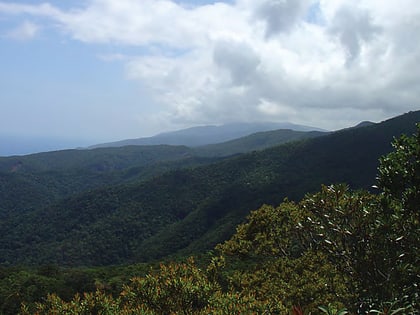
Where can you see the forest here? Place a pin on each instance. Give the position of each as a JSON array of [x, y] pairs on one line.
[[312, 246]]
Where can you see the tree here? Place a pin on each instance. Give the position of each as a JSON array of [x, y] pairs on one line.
[[399, 180], [399, 173], [374, 238], [271, 257]]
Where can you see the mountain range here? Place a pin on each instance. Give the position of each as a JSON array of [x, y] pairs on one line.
[[127, 204], [195, 136], [204, 135]]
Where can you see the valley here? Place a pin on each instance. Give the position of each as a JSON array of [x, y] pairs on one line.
[[142, 204]]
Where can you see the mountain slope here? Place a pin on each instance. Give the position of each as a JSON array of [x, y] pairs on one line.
[[49, 176], [256, 141], [192, 209], [100, 160], [32, 181], [203, 135]]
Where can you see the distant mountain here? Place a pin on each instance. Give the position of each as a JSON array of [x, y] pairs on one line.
[[364, 124], [191, 209], [203, 135]]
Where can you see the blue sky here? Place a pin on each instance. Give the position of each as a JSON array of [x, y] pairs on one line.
[[75, 73]]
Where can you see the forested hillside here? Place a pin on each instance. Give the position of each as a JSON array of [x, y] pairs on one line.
[[33, 181], [336, 251], [257, 141], [191, 209]]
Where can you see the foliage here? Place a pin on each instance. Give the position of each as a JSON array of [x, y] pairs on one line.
[[399, 179], [331, 310], [90, 303], [176, 289], [394, 308], [399, 172], [346, 226], [271, 259], [31, 285]]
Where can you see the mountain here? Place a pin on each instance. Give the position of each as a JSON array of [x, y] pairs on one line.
[[364, 124], [256, 141], [49, 176], [32, 181], [191, 209], [203, 135], [98, 160]]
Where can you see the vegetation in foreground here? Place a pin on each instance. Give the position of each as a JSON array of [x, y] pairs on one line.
[[334, 249]]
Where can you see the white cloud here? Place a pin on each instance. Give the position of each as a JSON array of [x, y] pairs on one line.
[[304, 60], [44, 9], [25, 31]]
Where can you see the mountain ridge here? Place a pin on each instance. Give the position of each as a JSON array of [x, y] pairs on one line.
[[204, 135], [189, 210]]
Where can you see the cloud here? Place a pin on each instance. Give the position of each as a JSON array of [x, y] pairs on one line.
[[306, 61], [238, 59], [353, 28], [44, 9], [280, 15], [25, 31]]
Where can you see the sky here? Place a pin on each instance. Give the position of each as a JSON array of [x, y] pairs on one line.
[[91, 71]]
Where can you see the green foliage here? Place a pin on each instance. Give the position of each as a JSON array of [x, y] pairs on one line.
[[268, 232], [91, 303], [345, 226], [331, 310], [399, 179], [394, 308], [177, 288], [270, 259], [31, 285], [399, 172]]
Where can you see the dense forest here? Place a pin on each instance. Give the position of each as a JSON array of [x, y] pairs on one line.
[[346, 248], [62, 208]]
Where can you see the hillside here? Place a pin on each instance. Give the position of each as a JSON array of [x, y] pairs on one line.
[[98, 160], [31, 181], [256, 141], [189, 210]]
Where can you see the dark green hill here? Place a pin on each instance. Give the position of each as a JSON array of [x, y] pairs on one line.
[[98, 160], [190, 210], [31, 181], [256, 141]]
